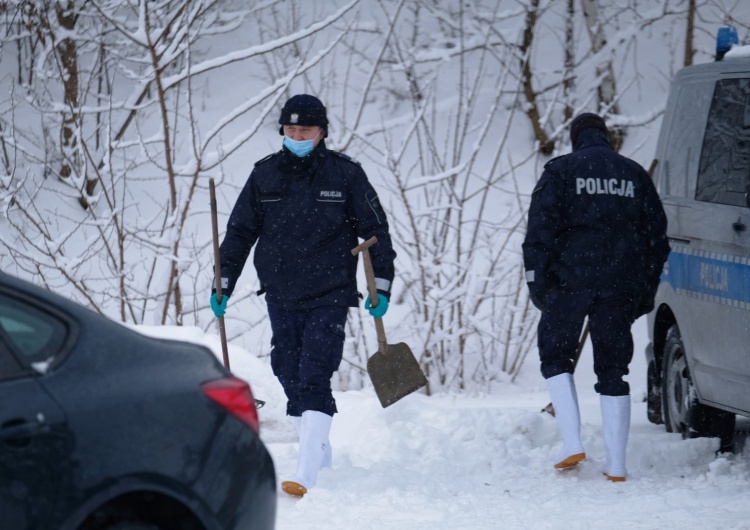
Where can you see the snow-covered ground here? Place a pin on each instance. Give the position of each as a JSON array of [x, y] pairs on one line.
[[477, 462]]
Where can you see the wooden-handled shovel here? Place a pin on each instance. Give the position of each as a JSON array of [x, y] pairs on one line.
[[550, 408], [393, 369], [217, 271]]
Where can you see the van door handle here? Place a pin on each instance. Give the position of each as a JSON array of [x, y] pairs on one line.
[[739, 226]]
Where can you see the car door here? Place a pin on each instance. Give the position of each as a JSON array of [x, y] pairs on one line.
[[35, 445]]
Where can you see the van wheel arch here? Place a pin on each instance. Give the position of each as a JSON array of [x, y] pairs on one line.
[[662, 323], [681, 410]]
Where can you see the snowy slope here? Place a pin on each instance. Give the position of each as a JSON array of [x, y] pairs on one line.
[[478, 462]]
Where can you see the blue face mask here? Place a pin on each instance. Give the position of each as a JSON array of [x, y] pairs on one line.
[[299, 147]]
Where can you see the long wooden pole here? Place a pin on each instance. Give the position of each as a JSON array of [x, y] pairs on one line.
[[217, 271]]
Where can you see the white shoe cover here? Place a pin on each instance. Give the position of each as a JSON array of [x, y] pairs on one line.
[[313, 441], [616, 427], [562, 392], [328, 458]]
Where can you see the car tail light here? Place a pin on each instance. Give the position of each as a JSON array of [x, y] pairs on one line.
[[235, 396]]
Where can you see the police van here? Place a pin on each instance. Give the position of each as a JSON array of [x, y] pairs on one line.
[[699, 331]]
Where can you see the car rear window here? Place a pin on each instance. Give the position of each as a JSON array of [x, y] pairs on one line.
[[34, 335]]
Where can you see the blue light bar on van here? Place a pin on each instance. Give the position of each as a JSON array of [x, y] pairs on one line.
[[725, 39]]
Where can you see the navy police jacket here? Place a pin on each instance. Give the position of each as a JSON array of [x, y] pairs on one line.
[[596, 221], [306, 215]]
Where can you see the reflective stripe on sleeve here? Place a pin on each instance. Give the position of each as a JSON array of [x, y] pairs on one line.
[[382, 285]]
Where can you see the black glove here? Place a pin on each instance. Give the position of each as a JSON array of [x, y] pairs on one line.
[[644, 299], [642, 306], [538, 294]]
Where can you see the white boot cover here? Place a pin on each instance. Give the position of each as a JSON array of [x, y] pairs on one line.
[[328, 458], [313, 439], [616, 427], [562, 392]]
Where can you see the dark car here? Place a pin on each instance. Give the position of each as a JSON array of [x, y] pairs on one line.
[[104, 428]]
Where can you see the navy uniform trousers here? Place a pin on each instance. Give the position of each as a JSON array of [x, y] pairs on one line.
[[610, 318], [307, 346]]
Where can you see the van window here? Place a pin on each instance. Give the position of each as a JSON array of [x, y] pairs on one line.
[[723, 169], [684, 141]]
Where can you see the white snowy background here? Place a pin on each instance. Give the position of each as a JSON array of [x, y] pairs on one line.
[[476, 458]]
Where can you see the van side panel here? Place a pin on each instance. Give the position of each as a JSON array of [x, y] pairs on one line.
[[706, 282]]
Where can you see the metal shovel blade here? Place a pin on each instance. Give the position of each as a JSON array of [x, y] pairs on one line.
[[395, 373]]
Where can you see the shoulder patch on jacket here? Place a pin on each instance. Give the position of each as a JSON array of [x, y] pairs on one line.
[[266, 159], [345, 157], [539, 186], [553, 161]]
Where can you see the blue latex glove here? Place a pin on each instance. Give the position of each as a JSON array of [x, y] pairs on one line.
[[379, 310], [219, 308]]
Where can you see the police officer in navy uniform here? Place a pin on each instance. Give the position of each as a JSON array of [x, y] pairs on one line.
[[595, 246], [306, 206]]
